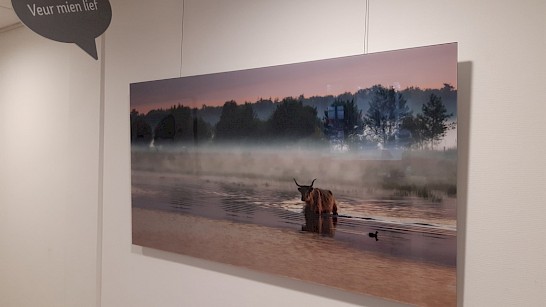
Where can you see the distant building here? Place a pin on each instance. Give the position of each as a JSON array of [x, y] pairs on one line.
[[335, 122]]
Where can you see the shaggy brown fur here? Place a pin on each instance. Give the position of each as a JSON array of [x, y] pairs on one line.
[[317, 200]]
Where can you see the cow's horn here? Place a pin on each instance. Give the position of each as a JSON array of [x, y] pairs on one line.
[[313, 182], [296, 182]]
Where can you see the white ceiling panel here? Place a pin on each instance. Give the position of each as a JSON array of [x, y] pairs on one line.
[[7, 14], [6, 3]]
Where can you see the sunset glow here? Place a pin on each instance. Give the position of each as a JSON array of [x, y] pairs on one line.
[[424, 67]]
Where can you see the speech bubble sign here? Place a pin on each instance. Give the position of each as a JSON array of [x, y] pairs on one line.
[[67, 21]]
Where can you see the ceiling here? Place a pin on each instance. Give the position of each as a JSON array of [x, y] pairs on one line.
[[7, 15]]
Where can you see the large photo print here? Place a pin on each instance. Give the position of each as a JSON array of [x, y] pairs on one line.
[[340, 172]]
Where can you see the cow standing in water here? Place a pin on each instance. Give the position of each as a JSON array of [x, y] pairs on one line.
[[318, 202]]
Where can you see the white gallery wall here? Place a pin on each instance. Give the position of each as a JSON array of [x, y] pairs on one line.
[[65, 223], [49, 132]]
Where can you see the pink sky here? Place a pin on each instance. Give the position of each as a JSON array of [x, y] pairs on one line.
[[424, 67]]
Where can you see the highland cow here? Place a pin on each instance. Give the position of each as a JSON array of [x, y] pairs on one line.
[[317, 203], [317, 200]]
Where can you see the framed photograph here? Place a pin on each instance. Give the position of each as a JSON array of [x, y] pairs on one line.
[[340, 172]]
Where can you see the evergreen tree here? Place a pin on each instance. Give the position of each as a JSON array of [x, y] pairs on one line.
[[434, 120], [236, 122], [414, 125], [141, 132], [292, 119]]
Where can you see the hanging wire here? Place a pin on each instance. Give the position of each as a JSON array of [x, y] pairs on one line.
[[182, 38], [366, 26]]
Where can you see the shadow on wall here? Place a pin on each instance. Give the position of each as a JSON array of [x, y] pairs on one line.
[[464, 90]]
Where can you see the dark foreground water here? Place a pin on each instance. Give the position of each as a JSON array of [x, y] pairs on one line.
[[407, 228]]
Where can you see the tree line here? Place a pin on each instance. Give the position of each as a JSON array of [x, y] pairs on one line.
[[387, 120]]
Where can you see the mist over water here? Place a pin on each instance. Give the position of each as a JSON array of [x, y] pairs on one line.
[[254, 184], [361, 172]]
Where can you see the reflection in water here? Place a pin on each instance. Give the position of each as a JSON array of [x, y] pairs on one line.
[[323, 224], [236, 203], [422, 239], [303, 256]]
